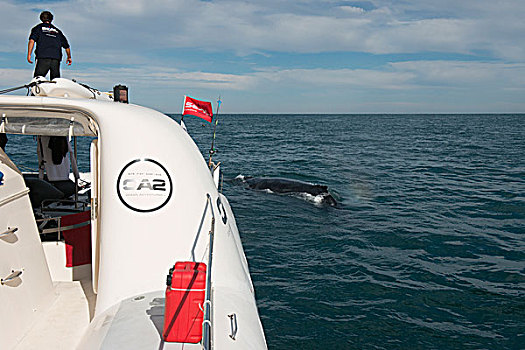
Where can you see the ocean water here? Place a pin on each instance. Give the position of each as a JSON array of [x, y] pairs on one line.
[[425, 250]]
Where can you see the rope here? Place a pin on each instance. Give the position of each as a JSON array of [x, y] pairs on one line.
[[13, 89], [92, 90], [26, 168], [27, 86]]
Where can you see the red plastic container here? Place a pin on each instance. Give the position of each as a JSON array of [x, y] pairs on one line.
[[185, 294]]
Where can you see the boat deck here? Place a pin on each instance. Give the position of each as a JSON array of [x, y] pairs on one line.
[[62, 326], [137, 323]]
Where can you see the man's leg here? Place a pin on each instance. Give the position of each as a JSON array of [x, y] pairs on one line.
[[55, 69], [42, 67]]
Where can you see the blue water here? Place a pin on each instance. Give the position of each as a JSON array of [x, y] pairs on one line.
[[426, 249]]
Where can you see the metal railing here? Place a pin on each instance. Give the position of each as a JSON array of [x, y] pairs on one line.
[[74, 205], [207, 305], [41, 223], [59, 227]]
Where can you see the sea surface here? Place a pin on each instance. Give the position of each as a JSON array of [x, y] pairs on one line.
[[425, 250]]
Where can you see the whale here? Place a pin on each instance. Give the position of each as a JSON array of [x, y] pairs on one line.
[[282, 185]]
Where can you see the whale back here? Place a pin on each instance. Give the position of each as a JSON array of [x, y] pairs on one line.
[[280, 185]]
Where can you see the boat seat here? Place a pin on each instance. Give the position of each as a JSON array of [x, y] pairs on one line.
[[40, 190], [67, 187]]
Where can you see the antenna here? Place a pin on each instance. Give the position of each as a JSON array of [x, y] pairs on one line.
[[212, 149]]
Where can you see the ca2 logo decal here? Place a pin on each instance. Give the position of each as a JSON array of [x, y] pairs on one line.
[[144, 185]]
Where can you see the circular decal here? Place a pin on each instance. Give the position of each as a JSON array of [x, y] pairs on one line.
[[144, 185]]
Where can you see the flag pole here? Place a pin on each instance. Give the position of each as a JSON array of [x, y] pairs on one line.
[[212, 149], [182, 115]]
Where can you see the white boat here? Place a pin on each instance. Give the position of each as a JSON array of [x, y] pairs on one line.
[[154, 202]]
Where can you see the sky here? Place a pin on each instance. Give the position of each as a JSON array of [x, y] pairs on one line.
[[275, 56]]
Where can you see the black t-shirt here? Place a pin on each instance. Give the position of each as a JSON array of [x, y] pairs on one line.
[[49, 41]]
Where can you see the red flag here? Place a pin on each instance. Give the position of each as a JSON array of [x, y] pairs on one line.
[[201, 109]]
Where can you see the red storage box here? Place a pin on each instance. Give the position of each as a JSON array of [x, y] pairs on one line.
[[185, 292]]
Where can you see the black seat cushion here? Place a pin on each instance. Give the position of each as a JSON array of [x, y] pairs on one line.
[[40, 190], [67, 187]]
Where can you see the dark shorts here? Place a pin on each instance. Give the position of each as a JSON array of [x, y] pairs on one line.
[[44, 65]]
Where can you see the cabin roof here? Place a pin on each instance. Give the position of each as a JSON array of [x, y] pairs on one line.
[[43, 116]]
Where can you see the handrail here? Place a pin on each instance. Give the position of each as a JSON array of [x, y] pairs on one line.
[[14, 196], [14, 274], [59, 228], [199, 229], [207, 329], [44, 221], [44, 206], [233, 325], [64, 228], [9, 231]]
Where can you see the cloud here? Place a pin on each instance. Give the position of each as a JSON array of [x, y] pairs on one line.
[[410, 84], [157, 78], [352, 9], [335, 79], [14, 77], [405, 76], [309, 26], [395, 76], [458, 74], [164, 48], [161, 78]]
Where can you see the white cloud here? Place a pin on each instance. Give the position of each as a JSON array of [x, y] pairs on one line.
[[161, 77], [458, 74], [351, 9], [137, 42], [310, 26], [335, 78], [14, 77], [413, 85]]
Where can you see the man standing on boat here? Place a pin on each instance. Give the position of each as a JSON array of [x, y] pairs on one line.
[[49, 43]]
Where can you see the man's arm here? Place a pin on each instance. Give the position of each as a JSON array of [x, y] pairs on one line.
[[65, 45], [69, 60], [30, 50]]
